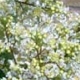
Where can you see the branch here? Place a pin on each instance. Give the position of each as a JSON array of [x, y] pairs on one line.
[[26, 3], [13, 54], [32, 4], [7, 36]]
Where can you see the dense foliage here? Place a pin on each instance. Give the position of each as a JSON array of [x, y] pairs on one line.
[[39, 40]]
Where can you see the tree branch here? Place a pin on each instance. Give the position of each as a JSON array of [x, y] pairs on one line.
[[26, 3], [32, 4], [7, 36]]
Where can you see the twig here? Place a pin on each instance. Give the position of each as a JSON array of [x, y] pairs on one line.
[[7, 36]]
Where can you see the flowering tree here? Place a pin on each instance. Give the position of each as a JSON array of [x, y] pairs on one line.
[[39, 40]]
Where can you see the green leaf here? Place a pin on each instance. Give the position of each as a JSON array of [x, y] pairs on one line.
[[37, 11], [1, 32]]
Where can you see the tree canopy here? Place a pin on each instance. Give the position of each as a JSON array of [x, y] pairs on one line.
[[39, 40]]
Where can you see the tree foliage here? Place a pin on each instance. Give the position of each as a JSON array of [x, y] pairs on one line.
[[39, 40]]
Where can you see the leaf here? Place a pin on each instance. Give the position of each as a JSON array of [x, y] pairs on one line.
[[2, 74], [7, 55], [37, 11], [3, 21], [1, 32], [57, 78]]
